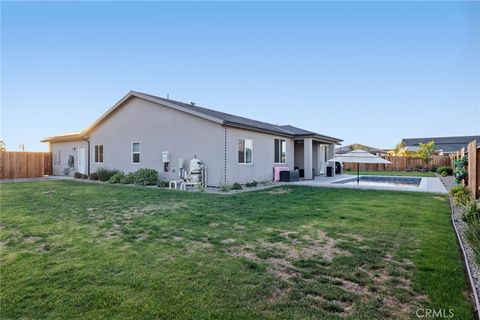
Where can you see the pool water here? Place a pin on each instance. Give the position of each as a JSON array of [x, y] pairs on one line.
[[380, 181]]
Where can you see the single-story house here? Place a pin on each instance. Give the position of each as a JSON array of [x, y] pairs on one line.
[[444, 145], [146, 131]]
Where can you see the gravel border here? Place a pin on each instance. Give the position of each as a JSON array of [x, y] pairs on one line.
[[473, 270]]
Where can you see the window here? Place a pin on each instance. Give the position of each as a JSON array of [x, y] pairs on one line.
[[136, 152], [245, 150], [99, 153], [280, 149]]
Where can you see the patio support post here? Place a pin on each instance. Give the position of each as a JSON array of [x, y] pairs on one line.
[[308, 158], [331, 155], [358, 173]]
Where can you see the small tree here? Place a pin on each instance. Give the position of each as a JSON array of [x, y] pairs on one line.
[[358, 146], [399, 150], [3, 146], [426, 151]]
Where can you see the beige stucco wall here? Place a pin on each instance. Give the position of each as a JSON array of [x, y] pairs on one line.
[[263, 156], [158, 129], [66, 149]]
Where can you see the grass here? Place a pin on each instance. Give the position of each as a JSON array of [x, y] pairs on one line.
[[90, 251], [391, 173]]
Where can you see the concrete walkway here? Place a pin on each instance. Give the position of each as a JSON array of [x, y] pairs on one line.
[[427, 184]]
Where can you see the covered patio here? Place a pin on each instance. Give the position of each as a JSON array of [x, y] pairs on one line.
[[311, 155]]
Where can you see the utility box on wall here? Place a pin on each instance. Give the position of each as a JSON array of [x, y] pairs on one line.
[[166, 156]]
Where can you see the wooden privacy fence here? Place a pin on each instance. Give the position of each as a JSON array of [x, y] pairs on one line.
[[401, 163], [473, 166], [15, 165]]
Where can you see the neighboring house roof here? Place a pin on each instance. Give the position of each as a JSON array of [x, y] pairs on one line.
[[209, 114], [445, 144], [346, 149]]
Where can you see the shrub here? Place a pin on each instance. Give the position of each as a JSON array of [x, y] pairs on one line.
[[93, 176], [445, 171], [77, 175], [252, 184], [84, 176], [146, 177], [128, 178], [116, 178], [162, 184], [236, 186], [461, 194], [472, 234], [105, 174], [226, 188], [471, 211], [433, 169]]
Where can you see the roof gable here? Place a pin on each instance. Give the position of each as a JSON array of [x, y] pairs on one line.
[[446, 144], [208, 114]]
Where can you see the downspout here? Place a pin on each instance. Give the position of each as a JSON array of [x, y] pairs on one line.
[[225, 159], [88, 155]]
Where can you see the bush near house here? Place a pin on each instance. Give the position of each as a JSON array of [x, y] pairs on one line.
[[236, 186], [162, 184], [93, 176], [105, 174], [117, 177], [146, 177], [128, 178], [77, 175], [461, 194], [445, 171], [473, 236], [252, 184], [471, 212]]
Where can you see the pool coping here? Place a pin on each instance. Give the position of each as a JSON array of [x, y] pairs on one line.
[[427, 184]]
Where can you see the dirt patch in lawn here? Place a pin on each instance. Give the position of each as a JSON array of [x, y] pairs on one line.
[[32, 239], [304, 261], [279, 257], [279, 191]]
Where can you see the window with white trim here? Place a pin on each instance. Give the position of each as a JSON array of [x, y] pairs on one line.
[[280, 150], [98, 153], [136, 152], [245, 151]]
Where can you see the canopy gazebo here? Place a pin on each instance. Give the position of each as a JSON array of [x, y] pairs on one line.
[[359, 156]]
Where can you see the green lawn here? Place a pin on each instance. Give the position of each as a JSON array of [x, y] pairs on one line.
[[392, 173], [79, 250]]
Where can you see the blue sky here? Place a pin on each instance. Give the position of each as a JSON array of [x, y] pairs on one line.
[[372, 72]]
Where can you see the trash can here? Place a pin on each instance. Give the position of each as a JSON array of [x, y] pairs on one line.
[[329, 171]]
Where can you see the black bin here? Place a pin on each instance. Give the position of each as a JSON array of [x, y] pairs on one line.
[[329, 171], [289, 176]]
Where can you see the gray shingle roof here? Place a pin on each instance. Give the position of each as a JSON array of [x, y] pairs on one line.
[[446, 144], [245, 122]]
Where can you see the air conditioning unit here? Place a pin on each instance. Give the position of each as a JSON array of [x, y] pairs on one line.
[[166, 156]]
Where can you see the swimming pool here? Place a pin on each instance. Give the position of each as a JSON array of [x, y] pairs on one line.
[[383, 181]]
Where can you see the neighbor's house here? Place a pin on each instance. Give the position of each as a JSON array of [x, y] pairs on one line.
[[444, 145], [355, 146], [136, 131]]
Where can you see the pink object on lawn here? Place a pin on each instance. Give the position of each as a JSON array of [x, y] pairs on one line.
[[276, 175]]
